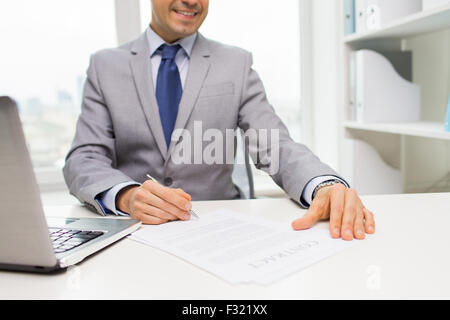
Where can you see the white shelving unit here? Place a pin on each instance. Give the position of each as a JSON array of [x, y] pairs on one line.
[[425, 129], [418, 23], [420, 151]]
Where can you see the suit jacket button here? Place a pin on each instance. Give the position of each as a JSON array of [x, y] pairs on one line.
[[168, 181]]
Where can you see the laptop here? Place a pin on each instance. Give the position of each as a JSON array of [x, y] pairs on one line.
[[28, 240]]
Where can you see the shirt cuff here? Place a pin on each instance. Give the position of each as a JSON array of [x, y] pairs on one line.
[[311, 186], [107, 199]]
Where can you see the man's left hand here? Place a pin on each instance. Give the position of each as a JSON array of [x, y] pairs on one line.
[[348, 217]]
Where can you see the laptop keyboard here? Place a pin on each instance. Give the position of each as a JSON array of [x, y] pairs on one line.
[[66, 239]]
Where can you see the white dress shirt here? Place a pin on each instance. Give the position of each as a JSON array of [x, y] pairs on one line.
[[181, 59], [108, 198]]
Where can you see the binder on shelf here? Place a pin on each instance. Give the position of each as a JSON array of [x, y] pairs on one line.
[[381, 12], [382, 95], [400, 60], [352, 87], [447, 118], [374, 14], [367, 172], [349, 12], [360, 16], [431, 4]]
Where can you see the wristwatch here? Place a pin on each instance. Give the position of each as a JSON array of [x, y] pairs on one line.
[[325, 184]]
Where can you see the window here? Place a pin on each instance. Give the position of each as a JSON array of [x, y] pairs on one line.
[[46, 47], [145, 8], [272, 33]]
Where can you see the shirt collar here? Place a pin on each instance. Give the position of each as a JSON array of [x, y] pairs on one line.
[[155, 41]]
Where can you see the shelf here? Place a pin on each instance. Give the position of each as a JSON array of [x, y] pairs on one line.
[[418, 23], [434, 130]]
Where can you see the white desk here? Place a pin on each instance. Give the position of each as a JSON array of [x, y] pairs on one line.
[[408, 257]]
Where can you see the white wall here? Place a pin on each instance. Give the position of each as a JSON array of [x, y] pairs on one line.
[[325, 95]]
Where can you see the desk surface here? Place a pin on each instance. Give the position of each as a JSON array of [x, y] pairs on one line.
[[407, 257]]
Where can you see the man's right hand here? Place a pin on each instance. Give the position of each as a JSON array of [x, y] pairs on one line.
[[153, 203]]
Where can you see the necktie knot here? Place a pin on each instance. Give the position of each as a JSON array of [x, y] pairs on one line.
[[169, 52]]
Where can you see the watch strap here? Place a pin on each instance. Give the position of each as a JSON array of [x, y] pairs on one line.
[[327, 183]]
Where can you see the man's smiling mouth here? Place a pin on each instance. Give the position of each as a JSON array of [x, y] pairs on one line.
[[186, 13]]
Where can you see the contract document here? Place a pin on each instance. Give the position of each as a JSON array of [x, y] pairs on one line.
[[241, 248]]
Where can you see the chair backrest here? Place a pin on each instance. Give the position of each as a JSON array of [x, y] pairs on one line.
[[242, 171]]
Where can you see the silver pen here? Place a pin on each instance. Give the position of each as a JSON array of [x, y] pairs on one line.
[[190, 211]]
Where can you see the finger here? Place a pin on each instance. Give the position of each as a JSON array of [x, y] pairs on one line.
[[144, 208], [358, 227], [369, 221], [319, 207], [181, 192], [151, 199], [336, 210], [350, 210], [168, 194], [149, 219]]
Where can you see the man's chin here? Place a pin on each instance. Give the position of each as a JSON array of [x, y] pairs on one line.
[[183, 32]]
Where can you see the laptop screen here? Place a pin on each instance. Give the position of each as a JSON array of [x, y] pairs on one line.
[[23, 229]]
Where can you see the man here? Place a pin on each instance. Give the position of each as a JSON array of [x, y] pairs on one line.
[[170, 79]]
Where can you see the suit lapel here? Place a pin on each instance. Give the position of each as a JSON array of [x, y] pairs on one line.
[[142, 73], [198, 69]]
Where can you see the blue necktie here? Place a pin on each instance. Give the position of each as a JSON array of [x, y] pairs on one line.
[[168, 89]]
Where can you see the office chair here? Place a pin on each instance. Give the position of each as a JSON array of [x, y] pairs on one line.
[[242, 172]]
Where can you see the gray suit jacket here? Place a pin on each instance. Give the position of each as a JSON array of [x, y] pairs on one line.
[[119, 137]]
